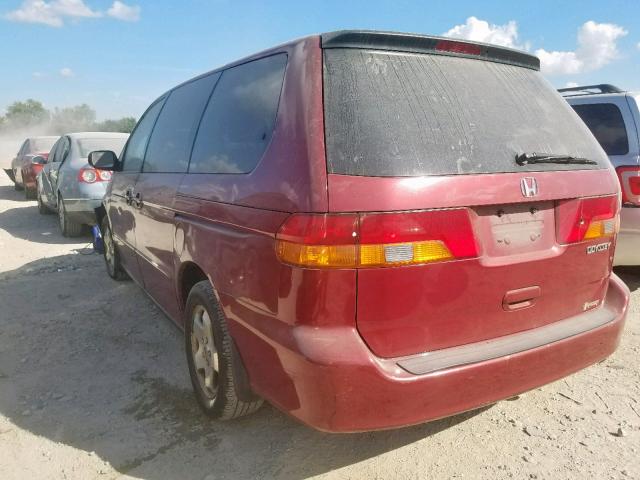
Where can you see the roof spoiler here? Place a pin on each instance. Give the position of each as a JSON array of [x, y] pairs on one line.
[[413, 43], [588, 89]]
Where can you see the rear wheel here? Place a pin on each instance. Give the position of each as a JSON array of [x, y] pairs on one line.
[[30, 193], [42, 208], [215, 366], [67, 227], [111, 257]]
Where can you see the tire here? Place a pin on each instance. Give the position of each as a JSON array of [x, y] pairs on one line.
[[16, 187], [205, 325], [30, 194], [42, 208], [68, 228], [110, 254]]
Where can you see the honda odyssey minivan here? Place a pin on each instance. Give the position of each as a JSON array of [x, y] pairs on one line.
[[370, 230]]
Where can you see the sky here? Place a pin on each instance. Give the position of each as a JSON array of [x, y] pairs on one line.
[[118, 56]]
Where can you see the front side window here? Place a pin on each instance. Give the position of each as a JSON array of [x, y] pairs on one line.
[[607, 125], [238, 123], [134, 154], [172, 137]]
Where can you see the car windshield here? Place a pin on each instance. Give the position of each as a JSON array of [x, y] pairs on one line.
[[42, 145], [396, 114], [88, 145]]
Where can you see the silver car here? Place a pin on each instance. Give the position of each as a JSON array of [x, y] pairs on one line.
[[69, 186], [613, 116]]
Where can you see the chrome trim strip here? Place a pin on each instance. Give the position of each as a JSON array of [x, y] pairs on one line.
[[430, 362]]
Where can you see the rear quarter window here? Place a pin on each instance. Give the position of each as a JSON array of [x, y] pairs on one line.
[[401, 114], [607, 125], [238, 123]]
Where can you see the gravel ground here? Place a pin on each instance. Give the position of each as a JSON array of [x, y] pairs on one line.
[[94, 384]]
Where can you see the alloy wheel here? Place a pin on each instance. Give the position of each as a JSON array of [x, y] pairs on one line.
[[204, 352]]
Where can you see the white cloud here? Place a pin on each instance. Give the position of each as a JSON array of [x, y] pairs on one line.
[[482, 31], [597, 46], [570, 85], [66, 72], [50, 13], [124, 12], [55, 12]]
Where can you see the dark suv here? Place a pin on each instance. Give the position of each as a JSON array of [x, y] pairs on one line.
[[370, 229]]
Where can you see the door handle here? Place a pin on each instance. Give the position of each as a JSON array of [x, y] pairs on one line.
[[520, 298]]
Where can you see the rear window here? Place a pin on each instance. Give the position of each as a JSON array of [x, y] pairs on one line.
[[38, 145], [396, 114], [87, 145], [606, 123]]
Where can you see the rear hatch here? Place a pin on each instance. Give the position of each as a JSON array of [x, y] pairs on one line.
[[483, 205]]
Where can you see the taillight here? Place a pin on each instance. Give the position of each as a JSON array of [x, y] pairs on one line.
[[630, 184], [587, 219], [376, 239], [91, 175], [105, 175], [87, 175], [458, 47]]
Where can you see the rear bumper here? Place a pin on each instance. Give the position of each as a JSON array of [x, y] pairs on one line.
[[29, 174], [628, 243], [82, 210], [340, 386]]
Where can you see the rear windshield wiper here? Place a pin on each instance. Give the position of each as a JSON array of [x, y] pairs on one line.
[[531, 158]]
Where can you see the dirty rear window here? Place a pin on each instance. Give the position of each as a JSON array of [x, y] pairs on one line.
[[396, 114]]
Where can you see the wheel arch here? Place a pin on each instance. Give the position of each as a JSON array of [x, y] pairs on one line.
[[189, 274]]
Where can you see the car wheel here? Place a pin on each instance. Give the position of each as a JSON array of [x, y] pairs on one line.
[[111, 257], [42, 208], [68, 228], [215, 366], [30, 193]]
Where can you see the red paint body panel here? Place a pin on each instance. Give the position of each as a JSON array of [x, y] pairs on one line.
[[354, 194], [329, 379]]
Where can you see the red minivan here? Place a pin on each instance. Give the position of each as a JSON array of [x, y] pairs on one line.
[[370, 230]]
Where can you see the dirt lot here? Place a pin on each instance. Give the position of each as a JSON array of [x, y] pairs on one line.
[[94, 384]]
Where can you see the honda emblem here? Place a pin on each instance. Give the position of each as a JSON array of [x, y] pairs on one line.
[[529, 187]]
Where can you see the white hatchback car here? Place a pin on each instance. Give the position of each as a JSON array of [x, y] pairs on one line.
[[613, 116]]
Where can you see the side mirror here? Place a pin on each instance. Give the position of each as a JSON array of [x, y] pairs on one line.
[[38, 160], [104, 160]]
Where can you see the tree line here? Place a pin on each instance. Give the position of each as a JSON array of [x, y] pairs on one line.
[[32, 115]]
